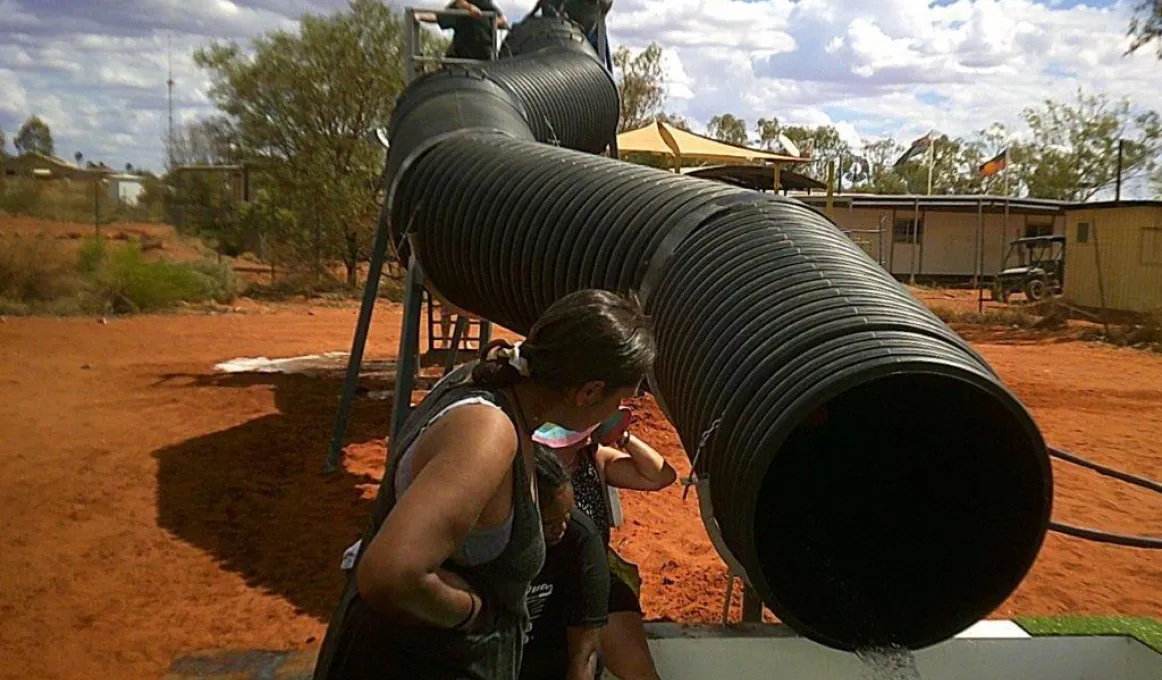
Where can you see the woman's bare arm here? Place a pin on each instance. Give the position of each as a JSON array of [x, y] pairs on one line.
[[639, 467], [469, 453]]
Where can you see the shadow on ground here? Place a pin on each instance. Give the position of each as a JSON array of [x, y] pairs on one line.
[[254, 498]]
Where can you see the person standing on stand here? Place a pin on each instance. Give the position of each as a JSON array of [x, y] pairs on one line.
[[585, 13], [472, 35]]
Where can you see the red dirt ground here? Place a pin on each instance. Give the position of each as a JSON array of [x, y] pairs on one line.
[[154, 508]]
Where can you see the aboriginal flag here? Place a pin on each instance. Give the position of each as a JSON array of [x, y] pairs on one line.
[[995, 164]]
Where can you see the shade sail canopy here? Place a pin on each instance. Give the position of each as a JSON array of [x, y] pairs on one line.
[[756, 177], [667, 140]]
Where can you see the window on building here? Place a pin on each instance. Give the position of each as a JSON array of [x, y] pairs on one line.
[[908, 231], [1152, 245], [1038, 225], [1083, 232]]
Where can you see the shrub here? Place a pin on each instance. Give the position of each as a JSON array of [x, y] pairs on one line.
[[219, 282], [90, 256], [125, 282], [34, 269], [1011, 317]]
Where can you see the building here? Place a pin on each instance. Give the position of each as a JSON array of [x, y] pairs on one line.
[[124, 188], [1114, 255], [40, 166], [941, 238]]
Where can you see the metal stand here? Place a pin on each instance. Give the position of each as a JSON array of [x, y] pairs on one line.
[[409, 347], [408, 362], [752, 606]]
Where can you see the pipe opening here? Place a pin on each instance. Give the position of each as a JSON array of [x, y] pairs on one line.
[[902, 511]]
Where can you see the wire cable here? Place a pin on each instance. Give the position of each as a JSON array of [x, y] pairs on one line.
[[1126, 477], [1096, 535]]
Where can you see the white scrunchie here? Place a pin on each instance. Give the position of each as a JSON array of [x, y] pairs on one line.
[[521, 364]]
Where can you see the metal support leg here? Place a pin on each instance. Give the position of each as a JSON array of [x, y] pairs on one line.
[[485, 333], [355, 362], [409, 347], [752, 606], [457, 338]]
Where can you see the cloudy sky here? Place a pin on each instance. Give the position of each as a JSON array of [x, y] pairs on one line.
[[96, 71]]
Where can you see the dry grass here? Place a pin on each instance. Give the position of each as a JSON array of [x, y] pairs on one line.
[[63, 201], [35, 269]]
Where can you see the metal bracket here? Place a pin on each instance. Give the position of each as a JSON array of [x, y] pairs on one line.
[[706, 512], [752, 607]]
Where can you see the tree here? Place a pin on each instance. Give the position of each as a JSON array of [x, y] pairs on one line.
[[641, 86], [34, 137], [825, 147], [304, 104], [207, 141], [767, 130], [3, 146], [1146, 26], [673, 120], [728, 128], [877, 176], [1073, 154], [78, 157]]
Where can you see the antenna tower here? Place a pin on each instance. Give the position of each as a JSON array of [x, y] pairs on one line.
[[169, 85]]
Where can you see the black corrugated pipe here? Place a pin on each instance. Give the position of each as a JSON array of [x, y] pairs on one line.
[[867, 468]]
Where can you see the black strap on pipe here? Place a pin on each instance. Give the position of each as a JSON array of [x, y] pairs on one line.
[[651, 270], [1147, 542]]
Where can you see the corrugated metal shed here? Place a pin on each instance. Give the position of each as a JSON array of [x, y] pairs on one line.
[[1126, 239]]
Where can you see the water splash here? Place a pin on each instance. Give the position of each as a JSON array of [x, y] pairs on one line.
[[888, 663]]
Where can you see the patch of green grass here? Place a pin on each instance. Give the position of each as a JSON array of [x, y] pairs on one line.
[[1144, 629], [125, 282], [37, 278]]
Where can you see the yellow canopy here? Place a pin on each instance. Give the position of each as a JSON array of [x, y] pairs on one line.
[[667, 140]]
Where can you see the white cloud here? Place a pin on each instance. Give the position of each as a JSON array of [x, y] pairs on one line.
[[12, 15], [12, 98], [896, 67]]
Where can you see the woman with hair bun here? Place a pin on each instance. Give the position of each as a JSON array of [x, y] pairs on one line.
[[439, 581]]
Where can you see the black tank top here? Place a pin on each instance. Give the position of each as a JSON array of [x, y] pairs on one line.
[[362, 644], [589, 491]]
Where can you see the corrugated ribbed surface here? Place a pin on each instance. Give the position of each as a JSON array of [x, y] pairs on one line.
[[877, 482], [571, 101]]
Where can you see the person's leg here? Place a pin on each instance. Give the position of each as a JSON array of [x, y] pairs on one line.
[[623, 642], [624, 647]]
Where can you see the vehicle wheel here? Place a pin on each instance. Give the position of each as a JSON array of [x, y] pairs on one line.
[[1036, 290]]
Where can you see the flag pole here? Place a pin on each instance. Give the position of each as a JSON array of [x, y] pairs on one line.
[[1005, 230]]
